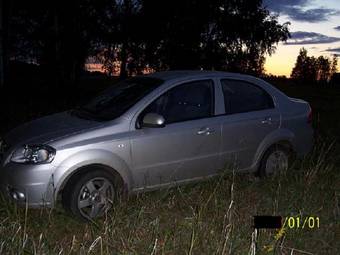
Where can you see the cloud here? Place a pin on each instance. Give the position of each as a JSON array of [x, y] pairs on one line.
[[337, 28], [333, 50], [311, 15], [281, 5], [302, 37], [298, 10]]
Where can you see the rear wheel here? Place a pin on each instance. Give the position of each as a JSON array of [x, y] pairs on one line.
[[90, 195], [276, 159]]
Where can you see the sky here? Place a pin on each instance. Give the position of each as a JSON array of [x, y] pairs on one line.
[[315, 25]]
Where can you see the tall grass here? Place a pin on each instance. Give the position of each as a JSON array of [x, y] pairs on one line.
[[213, 217]]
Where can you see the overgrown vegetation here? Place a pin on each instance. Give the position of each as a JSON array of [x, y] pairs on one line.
[[214, 217]]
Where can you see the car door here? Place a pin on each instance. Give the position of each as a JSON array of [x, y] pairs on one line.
[[250, 115], [187, 147]]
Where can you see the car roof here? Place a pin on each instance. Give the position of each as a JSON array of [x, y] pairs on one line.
[[188, 74], [185, 75]]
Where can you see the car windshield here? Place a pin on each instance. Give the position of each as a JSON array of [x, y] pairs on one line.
[[117, 99]]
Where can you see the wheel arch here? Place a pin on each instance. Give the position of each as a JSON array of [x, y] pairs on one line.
[[281, 137], [105, 160]]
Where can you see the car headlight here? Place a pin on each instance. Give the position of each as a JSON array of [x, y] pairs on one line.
[[34, 154]]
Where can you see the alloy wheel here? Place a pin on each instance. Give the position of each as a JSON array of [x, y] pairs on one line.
[[95, 197]]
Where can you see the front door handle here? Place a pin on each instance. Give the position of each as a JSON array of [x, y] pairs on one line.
[[267, 120]]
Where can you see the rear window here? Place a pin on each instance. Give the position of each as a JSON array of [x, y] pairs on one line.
[[241, 96]]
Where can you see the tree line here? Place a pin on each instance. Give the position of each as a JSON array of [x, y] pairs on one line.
[[59, 35], [310, 70]]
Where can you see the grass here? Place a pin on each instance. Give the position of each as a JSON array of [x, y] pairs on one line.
[[213, 217]]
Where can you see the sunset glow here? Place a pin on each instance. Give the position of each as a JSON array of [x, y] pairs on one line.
[[315, 25]]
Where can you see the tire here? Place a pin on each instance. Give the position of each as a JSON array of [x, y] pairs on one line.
[[91, 194], [276, 159]]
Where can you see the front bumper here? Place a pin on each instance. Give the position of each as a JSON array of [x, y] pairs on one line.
[[31, 184]]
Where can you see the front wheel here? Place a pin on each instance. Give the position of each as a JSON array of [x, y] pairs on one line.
[[276, 159], [91, 195]]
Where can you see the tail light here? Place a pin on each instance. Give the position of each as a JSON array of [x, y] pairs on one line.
[[310, 116]]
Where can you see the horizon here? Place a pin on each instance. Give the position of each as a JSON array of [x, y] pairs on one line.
[[314, 25]]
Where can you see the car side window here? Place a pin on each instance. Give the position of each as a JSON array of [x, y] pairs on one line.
[[241, 96], [188, 101]]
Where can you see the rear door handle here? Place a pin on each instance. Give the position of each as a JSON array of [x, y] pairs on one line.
[[205, 131], [202, 131], [267, 120]]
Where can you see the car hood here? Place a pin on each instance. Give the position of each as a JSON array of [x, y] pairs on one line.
[[49, 128]]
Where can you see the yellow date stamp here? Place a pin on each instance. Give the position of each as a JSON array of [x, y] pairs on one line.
[[302, 222]]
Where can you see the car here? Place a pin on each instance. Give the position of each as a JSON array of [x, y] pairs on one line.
[[153, 131]]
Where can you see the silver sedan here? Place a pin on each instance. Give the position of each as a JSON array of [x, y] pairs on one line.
[[152, 131]]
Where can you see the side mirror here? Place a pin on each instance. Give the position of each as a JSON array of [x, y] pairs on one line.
[[153, 120]]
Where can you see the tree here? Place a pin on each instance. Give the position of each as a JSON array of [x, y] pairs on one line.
[[177, 34], [334, 67], [1, 46], [310, 69], [56, 35], [324, 69], [229, 35], [119, 33], [4, 57], [244, 33]]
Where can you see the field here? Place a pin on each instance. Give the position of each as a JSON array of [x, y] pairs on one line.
[[214, 217]]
